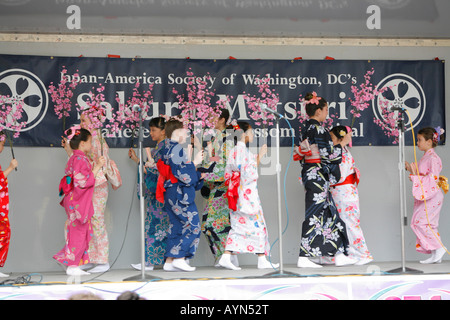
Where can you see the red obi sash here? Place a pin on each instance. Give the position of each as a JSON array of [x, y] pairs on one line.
[[232, 195], [351, 179], [165, 173], [308, 152], [65, 185]]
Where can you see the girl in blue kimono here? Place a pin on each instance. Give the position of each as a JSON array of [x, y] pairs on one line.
[[323, 232], [178, 182], [156, 219]]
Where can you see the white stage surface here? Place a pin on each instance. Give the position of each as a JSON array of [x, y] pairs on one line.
[[375, 281]]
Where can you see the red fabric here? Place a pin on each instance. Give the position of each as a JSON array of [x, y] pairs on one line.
[[165, 173], [5, 229], [351, 179], [233, 183], [65, 185]]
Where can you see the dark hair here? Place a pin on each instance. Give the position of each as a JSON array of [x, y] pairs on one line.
[[225, 114], [78, 136], [312, 107], [157, 122], [240, 129], [430, 133], [129, 295], [171, 126], [337, 131], [2, 133]]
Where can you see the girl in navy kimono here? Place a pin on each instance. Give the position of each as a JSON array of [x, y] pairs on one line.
[[156, 219], [179, 180], [323, 232]]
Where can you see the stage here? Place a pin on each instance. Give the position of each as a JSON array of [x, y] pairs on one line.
[[374, 281]]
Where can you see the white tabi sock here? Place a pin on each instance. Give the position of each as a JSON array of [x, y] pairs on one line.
[[225, 261]]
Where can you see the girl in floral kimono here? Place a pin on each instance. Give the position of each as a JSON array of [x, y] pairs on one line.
[[216, 221], [345, 196], [248, 232], [99, 246], [177, 183], [78, 188], [156, 219], [428, 197], [323, 232], [5, 229]]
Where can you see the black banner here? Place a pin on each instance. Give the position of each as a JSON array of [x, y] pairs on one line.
[[416, 86]]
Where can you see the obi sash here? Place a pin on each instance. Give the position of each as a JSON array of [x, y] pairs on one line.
[[351, 179], [310, 153], [232, 194], [65, 185], [443, 183], [165, 173]]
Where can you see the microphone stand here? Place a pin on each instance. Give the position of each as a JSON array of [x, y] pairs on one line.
[[403, 212], [280, 271], [143, 276]]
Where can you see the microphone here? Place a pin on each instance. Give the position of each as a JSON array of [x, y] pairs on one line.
[[136, 108], [395, 108], [265, 108]]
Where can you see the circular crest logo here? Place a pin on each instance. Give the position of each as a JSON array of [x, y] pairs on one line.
[[21, 84], [402, 91]]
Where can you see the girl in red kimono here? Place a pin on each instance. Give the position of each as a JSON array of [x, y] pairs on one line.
[[78, 188], [5, 230]]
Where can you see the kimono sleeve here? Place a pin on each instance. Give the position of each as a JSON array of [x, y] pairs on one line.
[[83, 177], [330, 155], [425, 186], [184, 171]]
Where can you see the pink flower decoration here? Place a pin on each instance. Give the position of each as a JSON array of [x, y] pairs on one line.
[[315, 99]]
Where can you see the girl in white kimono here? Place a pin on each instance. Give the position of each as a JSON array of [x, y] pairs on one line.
[[346, 199], [248, 232], [428, 197]]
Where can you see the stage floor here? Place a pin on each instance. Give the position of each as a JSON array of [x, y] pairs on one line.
[[369, 282]]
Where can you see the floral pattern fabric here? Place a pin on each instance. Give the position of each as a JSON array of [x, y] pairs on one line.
[[179, 203], [248, 232], [346, 198], [428, 199], [99, 245], [323, 231], [5, 229], [216, 216], [79, 209], [156, 219]]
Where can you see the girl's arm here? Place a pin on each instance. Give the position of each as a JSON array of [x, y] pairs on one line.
[[101, 162], [14, 164], [261, 154]]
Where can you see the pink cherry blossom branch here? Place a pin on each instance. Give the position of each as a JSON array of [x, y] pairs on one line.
[[363, 95], [266, 97], [128, 116], [389, 122], [199, 113], [11, 112], [62, 95]]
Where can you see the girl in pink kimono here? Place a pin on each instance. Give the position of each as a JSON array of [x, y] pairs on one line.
[[427, 195], [248, 232], [78, 188], [346, 199], [99, 245]]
